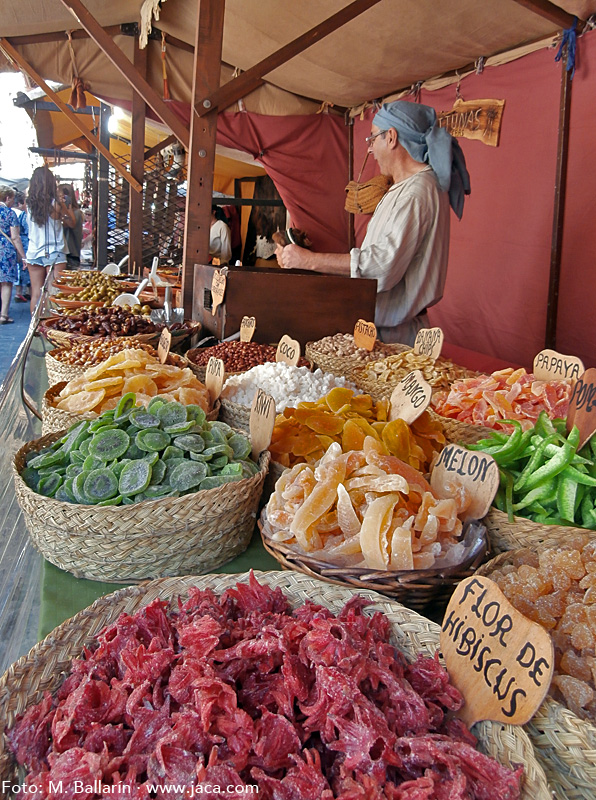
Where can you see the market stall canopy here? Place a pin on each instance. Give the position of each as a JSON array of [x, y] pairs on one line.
[[390, 46]]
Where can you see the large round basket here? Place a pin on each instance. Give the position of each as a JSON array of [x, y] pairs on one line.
[[522, 532], [44, 667], [382, 389], [564, 744], [171, 536], [417, 589], [234, 414], [67, 339], [55, 419], [460, 432], [344, 366]]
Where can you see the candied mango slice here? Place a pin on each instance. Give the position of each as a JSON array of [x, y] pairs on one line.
[[338, 397], [397, 438], [362, 403], [325, 423], [352, 437]]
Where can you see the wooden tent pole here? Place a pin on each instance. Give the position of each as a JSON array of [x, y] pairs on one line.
[[550, 338], [201, 152], [137, 167]]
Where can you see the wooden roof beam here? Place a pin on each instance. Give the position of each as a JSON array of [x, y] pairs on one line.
[[250, 80], [13, 54], [121, 62], [159, 146], [550, 11]]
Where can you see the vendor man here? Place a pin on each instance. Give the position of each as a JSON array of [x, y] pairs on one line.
[[406, 247]]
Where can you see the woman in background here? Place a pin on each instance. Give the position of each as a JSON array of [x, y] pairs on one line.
[[73, 226], [220, 240], [10, 246], [46, 213]]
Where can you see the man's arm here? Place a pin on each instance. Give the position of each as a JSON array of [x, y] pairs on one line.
[[294, 257]]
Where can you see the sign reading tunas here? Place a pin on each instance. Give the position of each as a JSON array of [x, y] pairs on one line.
[[474, 119]]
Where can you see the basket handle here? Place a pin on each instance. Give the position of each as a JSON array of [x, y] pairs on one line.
[[363, 165]]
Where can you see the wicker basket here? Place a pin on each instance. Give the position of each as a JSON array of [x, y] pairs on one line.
[[417, 589], [66, 339], [564, 744], [234, 414], [342, 366], [460, 432], [171, 536], [56, 419], [44, 667], [522, 532]]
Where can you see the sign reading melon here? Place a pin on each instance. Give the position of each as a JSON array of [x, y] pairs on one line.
[[247, 328], [582, 407], [262, 420], [476, 473], [218, 288], [163, 348], [410, 397], [429, 342], [550, 365], [365, 334], [500, 661], [288, 351], [214, 377]]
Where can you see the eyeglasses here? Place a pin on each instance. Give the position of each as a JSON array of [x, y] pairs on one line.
[[370, 139]]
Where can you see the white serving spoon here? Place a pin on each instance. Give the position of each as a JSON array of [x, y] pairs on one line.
[[128, 299], [111, 269], [154, 277]]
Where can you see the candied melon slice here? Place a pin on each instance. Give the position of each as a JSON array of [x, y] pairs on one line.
[[401, 549], [338, 397], [316, 505], [346, 516], [373, 532]]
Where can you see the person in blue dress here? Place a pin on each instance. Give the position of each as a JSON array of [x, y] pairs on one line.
[[10, 247], [23, 287]]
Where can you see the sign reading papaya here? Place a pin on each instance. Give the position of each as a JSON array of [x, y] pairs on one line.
[[163, 348], [288, 350], [476, 473], [262, 420], [247, 328], [582, 407], [550, 365], [214, 377], [410, 397], [429, 342], [218, 288], [365, 334], [501, 661], [474, 119]]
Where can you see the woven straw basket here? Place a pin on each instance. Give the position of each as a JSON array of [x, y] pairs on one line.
[[342, 366], [564, 744], [56, 419], [505, 535], [171, 536], [60, 371], [66, 339], [44, 667], [234, 414]]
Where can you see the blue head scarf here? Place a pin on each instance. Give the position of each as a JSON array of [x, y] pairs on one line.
[[425, 141]]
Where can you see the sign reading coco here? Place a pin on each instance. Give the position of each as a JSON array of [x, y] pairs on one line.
[[288, 350]]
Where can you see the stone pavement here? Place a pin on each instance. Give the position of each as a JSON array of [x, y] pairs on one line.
[[11, 336]]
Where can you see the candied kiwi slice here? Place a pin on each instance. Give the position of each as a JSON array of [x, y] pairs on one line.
[[125, 405], [100, 484], [152, 439], [31, 477], [240, 445], [49, 484], [151, 457], [143, 418], [173, 413], [187, 476], [77, 488], [183, 427], [195, 413], [135, 477], [93, 462], [112, 501], [214, 481], [172, 452], [191, 442], [155, 404], [158, 473], [109, 444]]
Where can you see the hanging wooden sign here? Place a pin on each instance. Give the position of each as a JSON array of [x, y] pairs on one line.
[[218, 288], [214, 377], [247, 328], [163, 348], [410, 397], [582, 407], [288, 351], [474, 119], [500, 661], [429, 342], [261, 422], [365, 334], [476, 472], [550, 365]]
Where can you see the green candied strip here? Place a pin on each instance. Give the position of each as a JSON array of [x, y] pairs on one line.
[[579, 477], [538, 494], [535, 461], [566, 494], [557, 463]]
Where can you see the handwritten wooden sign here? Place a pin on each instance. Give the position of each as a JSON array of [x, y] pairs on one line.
[[214, 377], [410, 397], [429, 342], [247, 328], [261, 422], [476, 472], [550, 365], [218, 289], [365, 334], [501, 661], [474, 119], [582, 407], [288, 350], [163, 348]]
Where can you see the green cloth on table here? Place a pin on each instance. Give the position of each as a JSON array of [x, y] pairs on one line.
[[63, 595]]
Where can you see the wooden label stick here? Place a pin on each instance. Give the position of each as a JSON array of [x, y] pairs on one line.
[[476, 472], [262, 420], [288, 350], [365, 334], [214, 377], [247, 328], [550, 365], [500, 661], [410, 397], [582, 407], [163, 348], [218, 288], [429, 342]]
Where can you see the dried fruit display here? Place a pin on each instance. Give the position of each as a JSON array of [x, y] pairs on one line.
[[388, 372], [132, 453], [342, 345], [506, 394], [232, 691], [94, 351], [366, 508], [100, 388], [237, 356], [556, 587], [304, 433]]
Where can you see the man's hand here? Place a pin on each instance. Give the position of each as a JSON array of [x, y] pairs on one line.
[[292, 257]]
